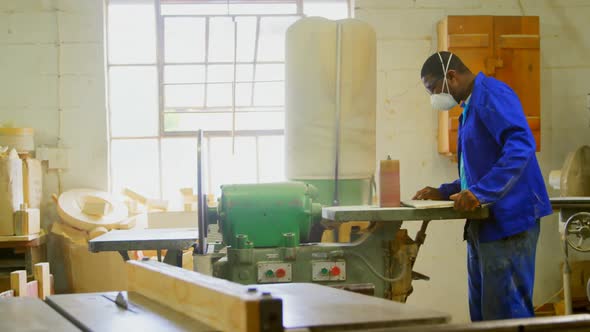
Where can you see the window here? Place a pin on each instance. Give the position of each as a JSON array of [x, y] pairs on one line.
[[177, 66]]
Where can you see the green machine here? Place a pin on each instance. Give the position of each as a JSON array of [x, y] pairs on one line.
[[266, 230]]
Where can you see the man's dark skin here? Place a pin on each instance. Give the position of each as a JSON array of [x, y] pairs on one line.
[[460, 86]]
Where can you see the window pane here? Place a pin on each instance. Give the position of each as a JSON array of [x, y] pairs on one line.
[[244, 73], [269, 94], [260, 120], [226, 168], [184, 74], [134, 164], [331, 9], [184, 39], [220, 73], [190, 95], [221, 39], [243, 94], [195, 121], [131, 33], [133, 101], [271, 158], [270, 72], [194, 9], [246, 38], [263, 8], [271, 44], [179, 169], [219, 94]]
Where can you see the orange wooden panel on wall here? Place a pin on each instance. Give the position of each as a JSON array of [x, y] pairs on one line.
[[506, 47]]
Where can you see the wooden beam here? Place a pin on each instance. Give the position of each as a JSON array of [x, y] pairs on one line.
[[221, 304], [41, 273], [18, 282]]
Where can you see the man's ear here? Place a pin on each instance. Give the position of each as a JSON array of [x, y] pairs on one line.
[[452, 75]]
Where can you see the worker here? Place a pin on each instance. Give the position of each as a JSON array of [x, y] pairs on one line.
[[497, 167]]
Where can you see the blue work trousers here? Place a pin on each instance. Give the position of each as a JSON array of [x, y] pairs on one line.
[[501, 274]]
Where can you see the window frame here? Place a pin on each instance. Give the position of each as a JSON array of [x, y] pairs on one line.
[[160, 64]]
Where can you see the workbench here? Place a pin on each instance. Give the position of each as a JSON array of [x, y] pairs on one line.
[[20, 252], [173, 240], [375, 213]]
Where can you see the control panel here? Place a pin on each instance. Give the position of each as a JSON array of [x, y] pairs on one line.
[[274, 272], [328, 271]]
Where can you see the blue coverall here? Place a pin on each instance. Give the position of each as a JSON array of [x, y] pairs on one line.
[[500, 167]]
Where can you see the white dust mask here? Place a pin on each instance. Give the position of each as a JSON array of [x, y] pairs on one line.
[[443, 101]]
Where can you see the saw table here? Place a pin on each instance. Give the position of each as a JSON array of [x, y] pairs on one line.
[[174, 240], [375, 213]]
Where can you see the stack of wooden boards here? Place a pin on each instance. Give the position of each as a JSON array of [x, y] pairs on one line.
[[40, 287], [20, 200]]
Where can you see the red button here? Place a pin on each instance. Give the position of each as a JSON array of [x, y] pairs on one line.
[[280, 273], [335, 271]]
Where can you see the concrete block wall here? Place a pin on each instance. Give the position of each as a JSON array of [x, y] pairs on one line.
[[407, 127], [52, 65]]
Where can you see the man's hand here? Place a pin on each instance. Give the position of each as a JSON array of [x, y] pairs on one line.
[[428, 193], [465, 201]]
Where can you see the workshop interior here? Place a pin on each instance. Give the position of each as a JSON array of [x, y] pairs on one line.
[[251, 165]]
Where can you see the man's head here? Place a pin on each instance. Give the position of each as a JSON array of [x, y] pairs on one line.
[[447, 65]]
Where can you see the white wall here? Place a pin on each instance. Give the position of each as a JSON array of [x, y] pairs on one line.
[[406, 125], [52, 79]]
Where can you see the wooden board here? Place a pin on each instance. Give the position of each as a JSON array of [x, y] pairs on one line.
[[319, 307], [18, 282], [96, 312], [41, 273], [423, 204], [20, 314], [374, 213], [218, 303], [19, 238]]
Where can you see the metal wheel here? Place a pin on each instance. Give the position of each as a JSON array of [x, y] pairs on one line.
[[577, 231]]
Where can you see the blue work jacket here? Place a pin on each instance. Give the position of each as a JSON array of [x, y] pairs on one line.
[[499, 159]]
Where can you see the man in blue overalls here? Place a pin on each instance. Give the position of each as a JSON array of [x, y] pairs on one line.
[[497, 166]]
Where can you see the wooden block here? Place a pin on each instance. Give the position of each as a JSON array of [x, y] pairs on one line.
[[559, 308], [41, 273], [95, 208], [135, 196], [27, 221], [157, 204], [172, 219], [186, 191], [18, 282], [32, 289], [221, 304]]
